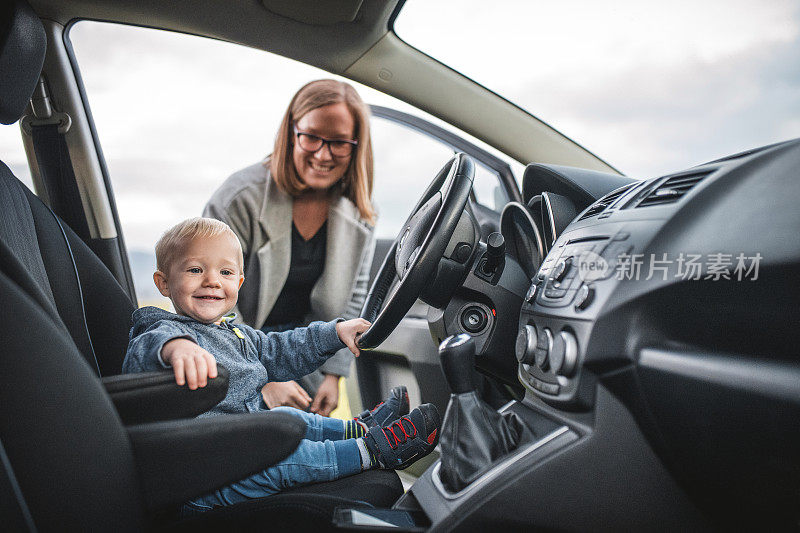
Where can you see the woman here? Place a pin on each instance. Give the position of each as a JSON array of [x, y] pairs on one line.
[[305, 220]]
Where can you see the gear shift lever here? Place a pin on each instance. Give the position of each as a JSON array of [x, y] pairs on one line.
[[457, 356], [474, 436]]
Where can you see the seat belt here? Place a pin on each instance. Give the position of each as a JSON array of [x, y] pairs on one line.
[[47, 128]]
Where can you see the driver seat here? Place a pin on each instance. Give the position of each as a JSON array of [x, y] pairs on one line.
[[66, 459]]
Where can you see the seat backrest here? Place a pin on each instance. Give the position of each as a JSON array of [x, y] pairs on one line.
[[65, 276], [52, 264]]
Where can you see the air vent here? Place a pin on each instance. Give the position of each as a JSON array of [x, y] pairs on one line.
[[600, 205], [671, 190]]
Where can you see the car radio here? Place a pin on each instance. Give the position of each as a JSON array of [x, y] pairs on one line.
[[548, 348]]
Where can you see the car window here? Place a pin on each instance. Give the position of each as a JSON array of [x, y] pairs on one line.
[[406, 160], [12, 153], [177, 114], [405, 163], [487, 188]]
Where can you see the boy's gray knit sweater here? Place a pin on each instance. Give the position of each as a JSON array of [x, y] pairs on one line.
[[253, 358]]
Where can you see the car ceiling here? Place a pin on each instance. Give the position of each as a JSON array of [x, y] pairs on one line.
[[349, 38]]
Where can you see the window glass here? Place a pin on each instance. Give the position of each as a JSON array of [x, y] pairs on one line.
[[649, 86], [405, 163], [487, 188], [177, 114], [12, 153]]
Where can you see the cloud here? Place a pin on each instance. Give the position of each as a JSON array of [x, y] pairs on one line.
[[654, 119], [649, 87]]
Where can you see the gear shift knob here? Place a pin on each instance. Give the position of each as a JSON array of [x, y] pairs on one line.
[[457, 356]]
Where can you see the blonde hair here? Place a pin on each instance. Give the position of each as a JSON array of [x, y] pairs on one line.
[[356, 183], [175, 239]]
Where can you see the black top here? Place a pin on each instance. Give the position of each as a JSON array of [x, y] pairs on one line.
[[307, 263]]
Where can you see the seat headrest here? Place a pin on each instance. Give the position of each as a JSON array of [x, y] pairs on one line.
[[22, 47]]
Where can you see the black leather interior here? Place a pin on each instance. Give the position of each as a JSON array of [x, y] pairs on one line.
[[180, 459], [474, 437], [153, 396]]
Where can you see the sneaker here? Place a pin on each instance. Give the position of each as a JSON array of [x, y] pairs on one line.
[[389, 410], [405, 440]]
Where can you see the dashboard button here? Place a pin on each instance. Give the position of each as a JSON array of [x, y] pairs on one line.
[[462, 252], [549, 388], [541, 341], [531, 294], [561, 269], [554, 292]]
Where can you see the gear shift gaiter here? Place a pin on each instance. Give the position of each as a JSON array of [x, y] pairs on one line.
[[474, 436]]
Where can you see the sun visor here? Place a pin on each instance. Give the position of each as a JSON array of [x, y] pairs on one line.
[[316, 12]]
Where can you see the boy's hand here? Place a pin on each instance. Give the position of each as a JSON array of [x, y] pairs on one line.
[[349, 330], [191, 364]]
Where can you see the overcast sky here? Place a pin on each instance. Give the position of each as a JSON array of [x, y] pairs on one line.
[[649, 87]]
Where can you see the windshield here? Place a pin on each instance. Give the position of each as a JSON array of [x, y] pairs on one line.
[[649, 87]]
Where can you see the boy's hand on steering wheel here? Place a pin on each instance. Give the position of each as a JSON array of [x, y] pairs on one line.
[[349, 330]]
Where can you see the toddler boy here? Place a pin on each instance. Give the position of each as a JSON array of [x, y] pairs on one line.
[[200, 269]]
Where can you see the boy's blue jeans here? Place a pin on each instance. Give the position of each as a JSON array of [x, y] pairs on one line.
[[315, 460]]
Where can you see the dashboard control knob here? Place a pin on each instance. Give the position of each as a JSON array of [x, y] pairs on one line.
[[584, 298], [543, 347], [570, 359], [526, 345], [557, 354], [561, 269]]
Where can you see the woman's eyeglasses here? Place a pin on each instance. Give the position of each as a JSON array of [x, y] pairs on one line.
[[313, 143]]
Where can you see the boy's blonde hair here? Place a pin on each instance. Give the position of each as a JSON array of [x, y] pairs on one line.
[[174, 240]]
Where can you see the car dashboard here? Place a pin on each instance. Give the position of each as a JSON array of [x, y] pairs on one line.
[[656, 344]]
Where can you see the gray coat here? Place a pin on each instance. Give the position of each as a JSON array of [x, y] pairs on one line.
[[261, 216], [252, 356]]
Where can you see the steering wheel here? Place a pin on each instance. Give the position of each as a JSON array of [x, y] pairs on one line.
[[414, 255]]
